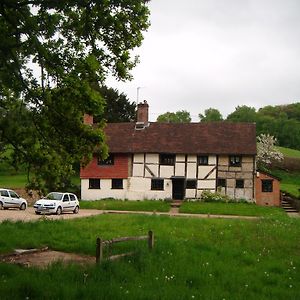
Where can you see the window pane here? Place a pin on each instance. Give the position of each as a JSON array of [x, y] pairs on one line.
[[221, 182], [235, 160], [108, 161], [157, 184], [191, 184], [267, 186], [117, 183], [239, 183], [167, 159], [94, 183], [203, 160]]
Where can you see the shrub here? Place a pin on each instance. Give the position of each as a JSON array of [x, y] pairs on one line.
[[208, 196]]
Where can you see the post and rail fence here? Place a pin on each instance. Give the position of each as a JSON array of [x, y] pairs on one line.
[[100, 244]]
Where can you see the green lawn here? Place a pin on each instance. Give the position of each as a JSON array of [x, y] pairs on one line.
[[192, 259], [242, 209], [289, 152], [13, 181], [146, 205]]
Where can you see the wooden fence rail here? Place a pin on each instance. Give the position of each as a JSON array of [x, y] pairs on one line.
[[101, 243]]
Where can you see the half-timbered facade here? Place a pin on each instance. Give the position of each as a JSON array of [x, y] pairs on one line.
[[173, 161]]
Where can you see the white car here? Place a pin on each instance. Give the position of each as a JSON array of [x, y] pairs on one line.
[[57, 203], [10, 199]]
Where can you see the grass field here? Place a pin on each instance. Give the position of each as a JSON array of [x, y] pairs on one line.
[[242, 209], [289, 152], [192, 259], [162, 206]]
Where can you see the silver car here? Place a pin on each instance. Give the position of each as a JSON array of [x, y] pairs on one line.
[[57, 203], [10, 199]]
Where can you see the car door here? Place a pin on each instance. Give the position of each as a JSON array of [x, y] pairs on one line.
[[5, 198], [14, 199], [66, 203], [72, 201]]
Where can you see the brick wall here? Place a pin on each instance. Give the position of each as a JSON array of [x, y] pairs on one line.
[[118, 170], [267, 198]]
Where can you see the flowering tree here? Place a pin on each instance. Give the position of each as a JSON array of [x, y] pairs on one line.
[[266, 151]]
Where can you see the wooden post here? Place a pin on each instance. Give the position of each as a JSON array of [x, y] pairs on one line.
[[150, 239], [99, 251]]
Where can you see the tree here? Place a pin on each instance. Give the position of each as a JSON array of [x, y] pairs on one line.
[[266, 151], [211, 114], [243, 113], [51, 54], [117, 108], [181, 116]]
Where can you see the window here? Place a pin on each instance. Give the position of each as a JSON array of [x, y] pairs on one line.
[[191, 184], [72, 197], [239, 183], [235, 160], [221, 182], [66, 198], [167, 159], [13, 194], [157, 184], [117, 183], [202, 160], [94, 183], [267, 186], [108, 161], [4, 194]]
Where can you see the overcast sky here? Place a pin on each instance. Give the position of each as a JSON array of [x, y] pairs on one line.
[[218, 53]]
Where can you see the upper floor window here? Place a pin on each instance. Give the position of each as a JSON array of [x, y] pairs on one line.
[[202, 160], [235, 160], [108, 161], [167, 159], [267, 185]]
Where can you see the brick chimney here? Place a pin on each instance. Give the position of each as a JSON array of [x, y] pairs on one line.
[[88, 119], [142, 113]]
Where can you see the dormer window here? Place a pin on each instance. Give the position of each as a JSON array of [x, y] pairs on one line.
[[106, 162]]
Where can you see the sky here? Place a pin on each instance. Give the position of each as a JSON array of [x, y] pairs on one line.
[[199, 54]]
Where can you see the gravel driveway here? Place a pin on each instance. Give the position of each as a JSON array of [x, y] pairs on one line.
[[29, 215]]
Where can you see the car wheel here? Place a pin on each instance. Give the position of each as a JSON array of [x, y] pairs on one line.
[[37, 213], [76, 210], [1, 205], [58, 211], [23, 206]]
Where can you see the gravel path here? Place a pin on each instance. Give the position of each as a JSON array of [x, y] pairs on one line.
[[29, 215]]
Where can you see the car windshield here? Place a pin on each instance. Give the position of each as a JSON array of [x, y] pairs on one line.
[[54, 196]]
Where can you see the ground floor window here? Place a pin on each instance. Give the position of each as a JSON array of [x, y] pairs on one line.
[[267, 185], [221, 182], [239, 183], [191, 184], [157, 184], [117, 184], [94, 183]]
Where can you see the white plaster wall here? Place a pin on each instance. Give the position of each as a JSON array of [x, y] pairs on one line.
[[204, 170], [191, 170], [192, 158], [180, 158], [206, 184], [166, 171], [138, 170], [180, 169], [212, 160], [138, 157], [154, 170], [190, 193], [105, 190], [152, 158]]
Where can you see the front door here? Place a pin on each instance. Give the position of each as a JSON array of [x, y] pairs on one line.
[[178, 188]]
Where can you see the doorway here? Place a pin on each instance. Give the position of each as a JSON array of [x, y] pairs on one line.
[[178, 188]]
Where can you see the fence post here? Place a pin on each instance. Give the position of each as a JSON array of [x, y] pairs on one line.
[[99, 251], [150, 239]]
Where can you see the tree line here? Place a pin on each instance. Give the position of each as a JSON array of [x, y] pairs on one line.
[[280, 121]]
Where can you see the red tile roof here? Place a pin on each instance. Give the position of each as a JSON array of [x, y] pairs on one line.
[[183, 138]]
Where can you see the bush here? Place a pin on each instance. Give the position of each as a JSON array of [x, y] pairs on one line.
[[208, 196]]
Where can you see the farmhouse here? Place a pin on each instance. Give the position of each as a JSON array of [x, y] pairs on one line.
[[150, 160]]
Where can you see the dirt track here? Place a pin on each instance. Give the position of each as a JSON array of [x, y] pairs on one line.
[[29, 215]]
